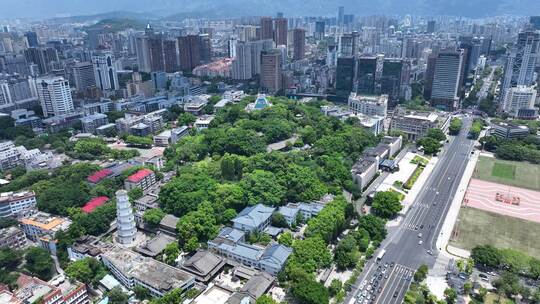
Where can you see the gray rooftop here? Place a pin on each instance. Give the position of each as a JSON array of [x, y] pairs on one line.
[[254, 216], [169, 221]]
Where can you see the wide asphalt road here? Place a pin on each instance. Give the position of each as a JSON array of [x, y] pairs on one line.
[[413, 242]]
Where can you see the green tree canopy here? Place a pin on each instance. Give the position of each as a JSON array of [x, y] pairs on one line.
[[153, 216], [39, 263], [386, 204]]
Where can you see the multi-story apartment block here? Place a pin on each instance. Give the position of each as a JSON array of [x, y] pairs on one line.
[[17, 203]]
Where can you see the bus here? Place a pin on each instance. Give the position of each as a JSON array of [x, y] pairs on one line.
[[381, 255]]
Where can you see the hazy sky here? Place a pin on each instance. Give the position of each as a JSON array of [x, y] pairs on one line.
[[469, 8]]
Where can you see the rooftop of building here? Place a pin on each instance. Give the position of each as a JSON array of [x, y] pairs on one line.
[[169, 221], [16, 196], [90, 245], [254, 216], [363, 164], [140, 175], [258, 285], [426, 116], [288, 211], [153, 273], [155, 245], [9, 231], [379, 99], [203, 262], [98, 176], [510, 125], [94, 203], [46, 221]]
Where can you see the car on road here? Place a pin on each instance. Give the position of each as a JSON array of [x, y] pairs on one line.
[[395, 294], [430, 252], [420, 242], [420, 235], [392, 264]]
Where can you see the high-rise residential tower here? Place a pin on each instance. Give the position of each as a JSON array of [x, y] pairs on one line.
[[299, 44], [190, 53], [83, 75], [54, 95], [271, 75], [280, 34], [267, 28]]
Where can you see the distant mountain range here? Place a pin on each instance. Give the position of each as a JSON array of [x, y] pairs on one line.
[[174, 9]]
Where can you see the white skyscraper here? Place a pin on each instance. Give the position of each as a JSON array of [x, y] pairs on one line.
[[125, 220], [54, 95], [105, 71], [517, 98]]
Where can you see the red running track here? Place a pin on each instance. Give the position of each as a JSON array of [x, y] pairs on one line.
[[481, 195]]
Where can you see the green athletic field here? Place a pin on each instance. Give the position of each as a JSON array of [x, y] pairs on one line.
[[477, 227], [518, 174]]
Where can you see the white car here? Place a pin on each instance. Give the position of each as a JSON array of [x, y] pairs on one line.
[[420, 242]]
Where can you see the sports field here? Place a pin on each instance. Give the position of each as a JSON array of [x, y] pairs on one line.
[[519, 174], [478, 227]]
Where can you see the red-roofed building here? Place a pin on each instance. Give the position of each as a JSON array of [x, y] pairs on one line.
[[96, 177], [143, 179], [94, 203]]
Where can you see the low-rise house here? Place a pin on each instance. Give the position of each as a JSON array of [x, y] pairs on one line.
[[230, 244], [155, 245], [254, 218], [132, 269], [204, 265], [12, 237], [87, 246], [168, 223], [255, 287], [170, 137], [203, 122]]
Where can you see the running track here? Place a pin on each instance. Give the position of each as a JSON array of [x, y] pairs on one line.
[[481, 195]]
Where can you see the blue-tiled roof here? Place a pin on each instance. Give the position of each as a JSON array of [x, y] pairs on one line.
[[276, 254], [232, 234], [312, 208], [244, 250], [254, 216], [287, 211]]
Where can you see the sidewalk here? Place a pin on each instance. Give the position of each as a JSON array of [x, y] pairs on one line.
[[453, 212]]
